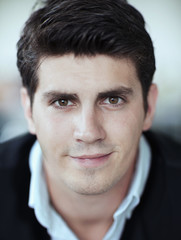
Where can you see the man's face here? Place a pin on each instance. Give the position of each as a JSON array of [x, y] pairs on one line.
[[88, 116]]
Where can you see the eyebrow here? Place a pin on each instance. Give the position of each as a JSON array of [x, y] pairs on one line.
[[116, 92], [120, 91], [54, 95]]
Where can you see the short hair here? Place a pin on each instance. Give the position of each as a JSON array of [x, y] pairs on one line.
[[85, 27]]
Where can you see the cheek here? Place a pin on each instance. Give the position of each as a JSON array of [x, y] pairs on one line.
[[134, 122], [53, 132], [52, 124], [125, 124], [125, 133]]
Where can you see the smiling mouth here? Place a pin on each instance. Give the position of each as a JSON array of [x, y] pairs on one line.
[[89, 161]]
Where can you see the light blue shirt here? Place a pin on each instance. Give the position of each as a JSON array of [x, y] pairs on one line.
[[53, 222]]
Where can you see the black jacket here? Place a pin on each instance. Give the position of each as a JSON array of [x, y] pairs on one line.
[[157, 217]]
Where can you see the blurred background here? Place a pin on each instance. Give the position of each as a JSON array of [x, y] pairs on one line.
[[163, 21]]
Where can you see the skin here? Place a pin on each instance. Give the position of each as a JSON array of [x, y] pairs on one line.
[[88, 116]]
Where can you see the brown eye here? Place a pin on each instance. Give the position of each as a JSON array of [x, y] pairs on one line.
[[63, 102], [114, 100]]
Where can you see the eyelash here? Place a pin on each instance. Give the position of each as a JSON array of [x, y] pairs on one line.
[[56, 104], [121, 101]]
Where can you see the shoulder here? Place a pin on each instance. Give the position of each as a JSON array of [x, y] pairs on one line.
[[14, 183], [165, 172], [165, 148], [161, 197], [12, 150]]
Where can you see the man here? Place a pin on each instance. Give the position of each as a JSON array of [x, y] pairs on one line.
[[87, 171]]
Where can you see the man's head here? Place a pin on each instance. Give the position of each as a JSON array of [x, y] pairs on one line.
[[85, 28], [87, 69]]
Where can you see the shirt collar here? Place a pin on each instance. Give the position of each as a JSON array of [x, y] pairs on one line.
[[139, 178], [39, 199], [136, 189]]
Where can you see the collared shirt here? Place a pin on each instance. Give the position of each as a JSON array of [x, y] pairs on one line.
[[53, 222]]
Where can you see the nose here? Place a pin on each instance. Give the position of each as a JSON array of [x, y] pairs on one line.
[[89, 126]]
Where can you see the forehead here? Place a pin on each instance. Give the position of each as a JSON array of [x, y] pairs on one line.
[[95, 72]]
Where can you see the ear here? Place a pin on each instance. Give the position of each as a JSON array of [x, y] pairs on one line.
[[26, 103], [151, 99]]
